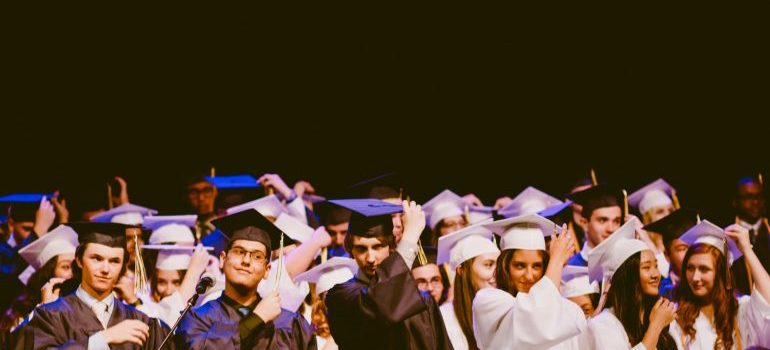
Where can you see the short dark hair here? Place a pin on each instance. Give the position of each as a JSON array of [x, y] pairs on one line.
[[390, 240]]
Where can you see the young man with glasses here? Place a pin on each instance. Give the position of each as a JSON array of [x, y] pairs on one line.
[[240, 318]]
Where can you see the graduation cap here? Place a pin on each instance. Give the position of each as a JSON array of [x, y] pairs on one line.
[[105, 233], [227, 182], [529, 201], [61, 240], [607, 257], [331, 214], [465, 244], [250, 225], [599, 196], [128, 214], [267, 206], [442, 206], [653, 195], [369, 217], [673, 225], [294, 228], [326, 275], [555, 210], [23, 206], [708, 233], [523, 232], [476, 214], [575, 282], [172, 257], [171, 228]]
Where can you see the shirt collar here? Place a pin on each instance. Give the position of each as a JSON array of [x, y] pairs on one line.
[[229, 301], [585, 251], [90, 301], [755, 226]]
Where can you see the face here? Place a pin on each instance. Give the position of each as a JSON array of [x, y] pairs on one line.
[[675, 252], [101, 266], [201, 196], [398, 226], [23, 228], [368, 253], [451, 224], [245, 264], [658, 213], [337, 232], [649, 276], [167, 283], [585, 303], [483, 269], [64, 266], [526, 269], [700, 274], [751, 201], [428, 278], [603, 222]]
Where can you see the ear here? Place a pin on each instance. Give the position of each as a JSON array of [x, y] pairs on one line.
[[222, 256], [267, 271], [583, 221]]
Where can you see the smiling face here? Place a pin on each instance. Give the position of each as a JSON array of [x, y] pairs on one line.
[[245, 264], [526, 268], [649, 276], [101, 267], [700, 272]]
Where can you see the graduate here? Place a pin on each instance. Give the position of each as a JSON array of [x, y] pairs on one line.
[[240, 318], [529, 201], [654, 201], [431, 277], [471, 253], [325, 276], [577, 288], [92, 317], [709, 315], [527, 311], [671, 229], [631, 315], [445, 213], [602, 214], [381, 307]]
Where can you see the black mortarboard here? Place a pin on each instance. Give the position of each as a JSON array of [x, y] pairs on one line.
[[105, 233], [369, 217], [673, 225], [250, 225]]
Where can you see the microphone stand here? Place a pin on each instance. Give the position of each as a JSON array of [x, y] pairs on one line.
[[190, 303]]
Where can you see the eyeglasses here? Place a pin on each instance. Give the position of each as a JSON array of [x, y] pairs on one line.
[[435, 283], [241, 254]]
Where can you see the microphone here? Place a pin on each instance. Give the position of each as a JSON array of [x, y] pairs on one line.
[[206, 281]]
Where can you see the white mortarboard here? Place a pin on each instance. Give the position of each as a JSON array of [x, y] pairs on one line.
[[267, 206], [575, 282], [442, 206], [170, 228], [708, 233], [294, 228], [523, 232], [607, 257], [464, 244], [171, 257], [479, 214], [653, 195], [61, 240], [128, 214], [529, 201], [334, 271]]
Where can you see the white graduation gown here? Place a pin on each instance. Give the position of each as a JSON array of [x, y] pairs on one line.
[[753, 320], [540, 319], [607, 333], [456, 335]]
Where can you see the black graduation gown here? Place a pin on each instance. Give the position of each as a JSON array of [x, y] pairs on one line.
[[215, 325], [387, 313], [68, 322]]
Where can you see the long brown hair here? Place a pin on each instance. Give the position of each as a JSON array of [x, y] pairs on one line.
[[725, 304], [464, 292], [502, 273], [627, 301]]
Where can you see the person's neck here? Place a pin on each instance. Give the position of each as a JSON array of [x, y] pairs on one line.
[[94, 294], [241, 296], [750, 221], [708, 311]]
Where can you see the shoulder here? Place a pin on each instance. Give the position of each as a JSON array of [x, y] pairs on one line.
[[489, 299], [61, 305], [289, 320], [341, 290], [604, 319], [577, 260]]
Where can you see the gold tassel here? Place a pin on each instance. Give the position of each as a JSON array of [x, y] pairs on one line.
[[280, 265], [421, 254], [213, 171], [697, 218], [140, 273], [571, 230], [625, 204], [761, 181], [467, 215], [675, 199], [324, 253], [593, 177]]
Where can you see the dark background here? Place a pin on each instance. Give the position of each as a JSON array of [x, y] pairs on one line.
[[484, 99]]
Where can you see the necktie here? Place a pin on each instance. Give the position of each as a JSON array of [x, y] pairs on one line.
[[101, 310], [244, 311]]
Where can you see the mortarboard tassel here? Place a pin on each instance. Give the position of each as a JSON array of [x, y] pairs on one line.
[[675, 199], [109, 196], [761, 181], [625, 204], [421, 254], [324, 253], [213, 171], [140, 273], [467, 215], [697, 218], [593, 177], [571, 230], [280, 264]]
